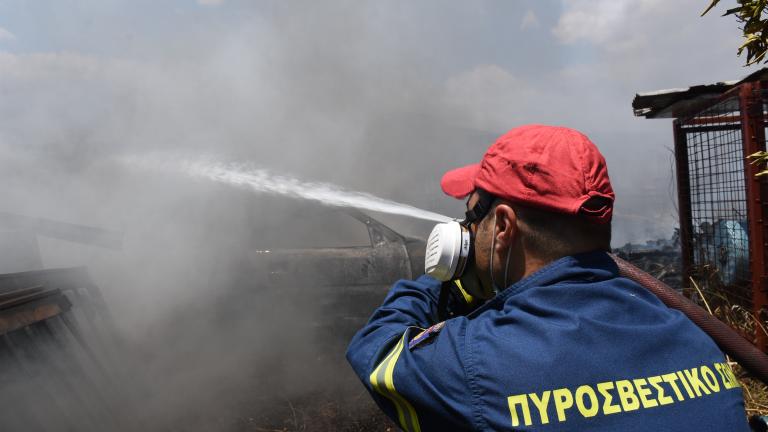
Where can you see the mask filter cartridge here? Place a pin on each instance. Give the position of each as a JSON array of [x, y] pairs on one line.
[[448, 248]]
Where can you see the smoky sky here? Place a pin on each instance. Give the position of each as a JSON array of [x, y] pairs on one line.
[[376, 96], [381, 97]]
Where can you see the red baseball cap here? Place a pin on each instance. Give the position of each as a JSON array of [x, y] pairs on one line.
[[547, 167]]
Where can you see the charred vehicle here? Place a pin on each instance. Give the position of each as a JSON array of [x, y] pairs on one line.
[[348, 282]]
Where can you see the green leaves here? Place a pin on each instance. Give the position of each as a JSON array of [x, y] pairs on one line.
[[752, 15]]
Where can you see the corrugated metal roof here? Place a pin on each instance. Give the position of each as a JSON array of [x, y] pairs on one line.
[[673, 103]]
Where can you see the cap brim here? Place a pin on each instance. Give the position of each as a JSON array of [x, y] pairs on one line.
[[460, 182]]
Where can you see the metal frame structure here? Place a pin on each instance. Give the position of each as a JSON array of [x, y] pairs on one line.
[[722, 204]]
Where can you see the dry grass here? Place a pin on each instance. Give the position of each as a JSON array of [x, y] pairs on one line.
[[732, 305], [755, 392]]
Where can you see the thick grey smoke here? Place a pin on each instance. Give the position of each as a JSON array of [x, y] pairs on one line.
[[354, 93], [379, 97]]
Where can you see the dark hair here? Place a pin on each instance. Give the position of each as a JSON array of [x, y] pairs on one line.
[[552, 235]]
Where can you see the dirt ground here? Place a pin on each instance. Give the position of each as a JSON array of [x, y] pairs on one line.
[[320, 413]]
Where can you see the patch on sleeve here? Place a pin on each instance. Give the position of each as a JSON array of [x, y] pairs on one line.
[[426, 335]]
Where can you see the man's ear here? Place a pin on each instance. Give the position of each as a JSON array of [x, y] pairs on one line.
[[506, 226]]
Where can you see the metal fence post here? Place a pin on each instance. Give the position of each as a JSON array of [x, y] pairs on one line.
[[753, 131], [683, 203]]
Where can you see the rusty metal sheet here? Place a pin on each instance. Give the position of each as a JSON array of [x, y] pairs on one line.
[[676, 103]]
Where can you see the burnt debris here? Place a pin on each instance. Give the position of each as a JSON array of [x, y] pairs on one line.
[[661, 258]]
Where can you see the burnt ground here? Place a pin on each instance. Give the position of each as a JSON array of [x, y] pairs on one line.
[[317, 412], [254, 411]]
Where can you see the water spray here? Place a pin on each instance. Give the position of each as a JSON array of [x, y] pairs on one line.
[[247, 176]]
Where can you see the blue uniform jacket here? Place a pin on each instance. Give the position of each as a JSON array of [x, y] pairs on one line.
[[571, 347]]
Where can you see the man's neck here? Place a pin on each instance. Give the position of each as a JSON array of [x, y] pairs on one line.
[[534, 264]]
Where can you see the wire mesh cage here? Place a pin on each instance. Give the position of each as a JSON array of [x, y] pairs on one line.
[[723, 204], [719, 240]]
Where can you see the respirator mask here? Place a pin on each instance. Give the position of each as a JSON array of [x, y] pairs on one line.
[[450, 251]]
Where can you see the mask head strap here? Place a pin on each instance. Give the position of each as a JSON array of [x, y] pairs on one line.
[[480, 209]]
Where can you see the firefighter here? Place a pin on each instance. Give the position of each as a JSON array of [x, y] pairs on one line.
[[525, 324]]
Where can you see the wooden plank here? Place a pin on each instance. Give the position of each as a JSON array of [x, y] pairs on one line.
[[33, 312]]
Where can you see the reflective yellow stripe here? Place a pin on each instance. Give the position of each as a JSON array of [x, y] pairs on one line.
[[379, 383], [390, 383], [406, 414], [467, 297]]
